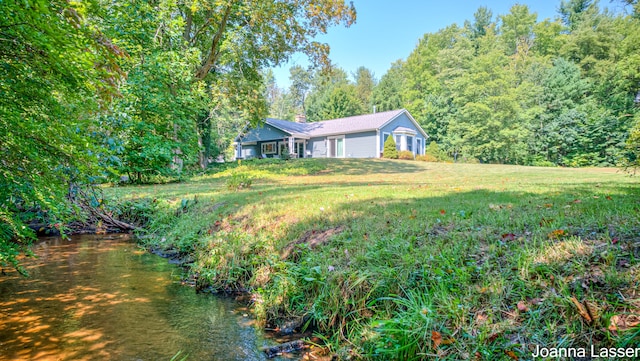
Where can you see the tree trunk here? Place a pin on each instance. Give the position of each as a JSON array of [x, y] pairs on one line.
[[204, 132]]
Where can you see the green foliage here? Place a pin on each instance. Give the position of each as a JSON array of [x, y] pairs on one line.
[[511, 89], [387, 95], [333, 96], [239, 180], [57, 70], [390, 151], [433, 151]]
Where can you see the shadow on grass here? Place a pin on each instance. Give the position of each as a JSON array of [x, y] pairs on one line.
[[475, 252], [373, 166]]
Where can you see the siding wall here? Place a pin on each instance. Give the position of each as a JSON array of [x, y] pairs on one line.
[[264, 133], [401, 121], [318, 147], [360, 145], [250, 151]]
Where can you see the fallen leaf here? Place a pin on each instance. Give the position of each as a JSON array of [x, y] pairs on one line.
[[493, 337], [511, 354], [582, 310], [508, 237], [442, 211], [522, 306], [436, 337], [593, 309], [577, 201], [608, 198], [623, 322]]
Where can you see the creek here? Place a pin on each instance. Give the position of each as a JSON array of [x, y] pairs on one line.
[[104, 298]]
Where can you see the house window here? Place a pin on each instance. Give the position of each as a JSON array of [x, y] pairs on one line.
[[384, 137], [284, 148], [398, 141], [269, 148], [409, 143], [418, 145]]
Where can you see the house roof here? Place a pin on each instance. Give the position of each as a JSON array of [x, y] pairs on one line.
[[355, 124], [404, 130]]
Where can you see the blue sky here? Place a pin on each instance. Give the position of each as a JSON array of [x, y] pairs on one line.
[[388, 30]]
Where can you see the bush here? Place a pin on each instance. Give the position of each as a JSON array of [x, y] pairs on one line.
[[390, 150], [436, 154], [238, 181], [426, 158], [406, 155]]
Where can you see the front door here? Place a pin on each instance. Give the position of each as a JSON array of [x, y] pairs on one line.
[[300, 149], [340, 148]]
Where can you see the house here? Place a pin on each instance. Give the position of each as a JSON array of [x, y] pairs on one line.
[[360, 136]]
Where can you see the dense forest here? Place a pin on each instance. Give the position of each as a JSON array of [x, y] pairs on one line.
[[508, 88], [144, 91]]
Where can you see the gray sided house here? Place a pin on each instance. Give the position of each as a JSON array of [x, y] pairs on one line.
[[360, 136]]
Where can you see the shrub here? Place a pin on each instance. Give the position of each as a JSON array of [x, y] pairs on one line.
[[238, 181], [426, 158], [390, 150], [406, 155], [434, 151]]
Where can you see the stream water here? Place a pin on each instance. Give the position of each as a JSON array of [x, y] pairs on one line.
[[102, 298]]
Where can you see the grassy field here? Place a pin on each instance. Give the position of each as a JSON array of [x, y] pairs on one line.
[[411, 260]]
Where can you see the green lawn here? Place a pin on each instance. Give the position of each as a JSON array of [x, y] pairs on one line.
[[403, 259]]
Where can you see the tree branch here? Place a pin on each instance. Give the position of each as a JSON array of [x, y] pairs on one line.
[[210, 61]]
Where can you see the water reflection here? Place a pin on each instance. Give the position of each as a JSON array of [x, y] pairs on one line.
[[96, 298]]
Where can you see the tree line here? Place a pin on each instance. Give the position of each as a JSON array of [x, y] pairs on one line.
[[508, 89]]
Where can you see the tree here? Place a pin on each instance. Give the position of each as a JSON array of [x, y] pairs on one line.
[[332, 96], [56, 72], [572, 11], [517, 28], [387, 94], [213, 54], [299, 88], [483, 18], [365, 83], [390, 150]]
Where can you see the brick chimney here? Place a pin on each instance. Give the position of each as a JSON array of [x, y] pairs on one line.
[[301, 118]]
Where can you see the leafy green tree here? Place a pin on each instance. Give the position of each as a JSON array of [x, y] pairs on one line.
[[364, 82], [572, 11], [301, 82], [483, 18], [332, 96], [487, 124], [56, 71], [387, 95], [517, 28], [280, 102]]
